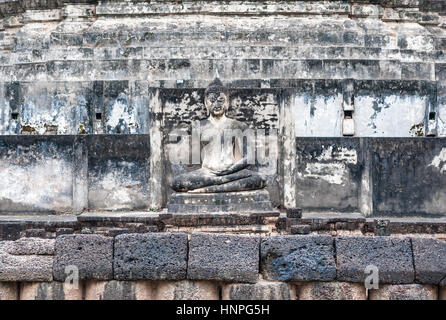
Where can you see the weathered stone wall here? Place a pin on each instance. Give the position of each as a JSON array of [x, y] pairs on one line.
[[390, 108], [70, 173], [170, 266], [64, 174], [379, 177], [55, 52]]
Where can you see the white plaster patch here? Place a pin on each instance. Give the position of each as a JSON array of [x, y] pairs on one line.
[[4, 117], [439, 161], [344, 154], [318, 116], [39, 119], [333, 173], [330, 165], [45, 185], [420, 42], [389, 116], [122, 114], [441, 120]]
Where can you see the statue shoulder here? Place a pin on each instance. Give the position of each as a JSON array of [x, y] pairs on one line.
[[235, 124], [205, 123]]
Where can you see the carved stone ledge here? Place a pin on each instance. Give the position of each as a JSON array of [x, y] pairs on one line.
[[223, 8], [31, 16], [78, 11]]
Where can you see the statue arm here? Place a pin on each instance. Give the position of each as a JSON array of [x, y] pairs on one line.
[[239, 165], [241, 162]]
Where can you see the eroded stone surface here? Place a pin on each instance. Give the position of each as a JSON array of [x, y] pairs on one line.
[[430, 260], [32, 246], [49, 291], [24, 267], [91, 254], [442, 292], [392, 256], [239, 202], [404, 292], [186, 290], [118, 290], [298, 258], [259, 291], [151, 256], [223, 257], [8, 290], [331, 291]]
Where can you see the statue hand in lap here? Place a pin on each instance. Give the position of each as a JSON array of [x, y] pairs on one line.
[[224, 169]]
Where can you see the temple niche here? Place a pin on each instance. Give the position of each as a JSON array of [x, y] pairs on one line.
[[227, 180]]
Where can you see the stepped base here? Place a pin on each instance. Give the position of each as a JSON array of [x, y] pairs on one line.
[[242, 202]]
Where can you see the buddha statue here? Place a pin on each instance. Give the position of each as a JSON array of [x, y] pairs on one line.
[[224, 168]]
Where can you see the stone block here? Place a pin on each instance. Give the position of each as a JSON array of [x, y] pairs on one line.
[[186, 290], [10, 230], [24, 267], [113, 232], [35, 233], [298, 258], [404, 292], [382, 227], [223, 257], [49, 291], [118, 290], [245, 201], [259, 291], [151, 256], [348, 127], [392, 257], [32, 246], [331, 291], [8, 290], [429, 259], [62, 231], [91, 254], [300, 229], [294, 213], [442, 293]]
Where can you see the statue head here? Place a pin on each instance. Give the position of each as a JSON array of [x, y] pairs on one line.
[[216, 98]]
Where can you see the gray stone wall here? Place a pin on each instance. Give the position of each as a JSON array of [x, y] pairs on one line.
[[64, 174], [228, 267], [374, 176]]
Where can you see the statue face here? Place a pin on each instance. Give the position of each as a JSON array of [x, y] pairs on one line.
[[216, 103]]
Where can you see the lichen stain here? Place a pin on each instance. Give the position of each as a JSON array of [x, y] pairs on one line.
[[377, 107], [417, 130]]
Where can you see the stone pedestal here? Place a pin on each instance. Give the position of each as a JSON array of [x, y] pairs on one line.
[[240, 202]]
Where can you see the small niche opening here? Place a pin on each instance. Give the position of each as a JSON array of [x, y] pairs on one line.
[[431, 115], [15, 115], [98, 116], [348, 115]]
